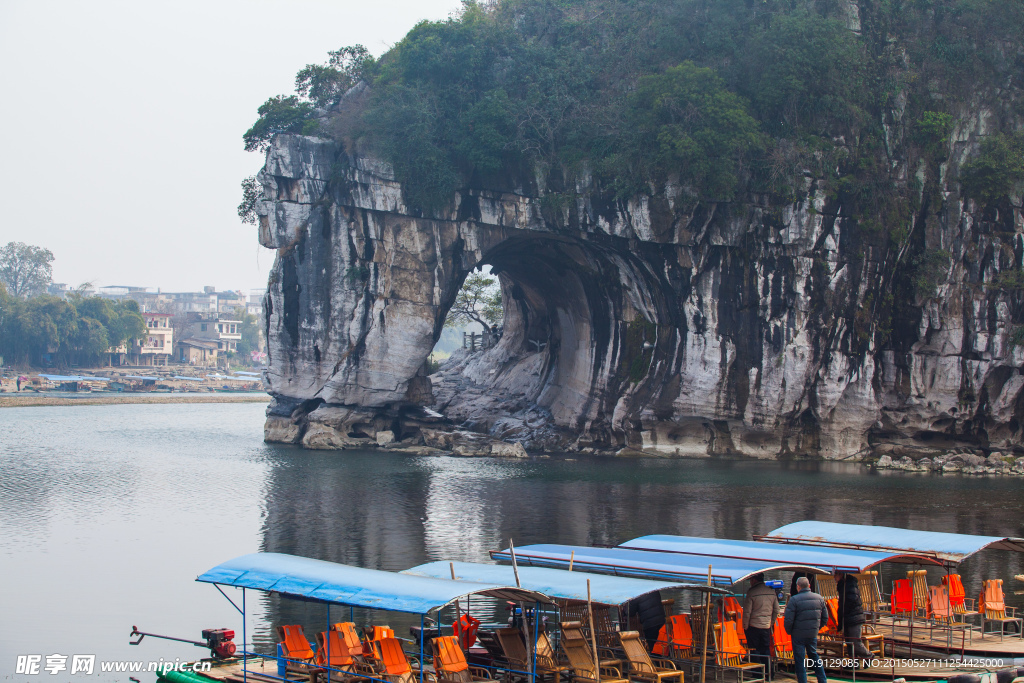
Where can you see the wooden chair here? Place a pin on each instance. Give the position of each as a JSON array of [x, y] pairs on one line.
[[641, 666], [450, 665], [606, 656], [295, 648], [941, 615], [992, 606], [919, 581], [730, 653], [963, 607], [827, 587], [519, 658], [870, 596], [581, 659], [698, 617]]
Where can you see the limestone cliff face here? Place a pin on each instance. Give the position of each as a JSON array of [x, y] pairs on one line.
[[657, 325]]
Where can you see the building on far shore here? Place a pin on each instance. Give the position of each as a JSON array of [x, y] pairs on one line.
[[158, 346], [198, 352], [225, 332]]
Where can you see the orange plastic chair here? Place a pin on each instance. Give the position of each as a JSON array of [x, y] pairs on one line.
[[330, 644], [375, 634], [294, 646], [349, 638], [450, 662]]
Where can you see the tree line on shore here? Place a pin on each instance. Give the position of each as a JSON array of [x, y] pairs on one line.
[[78, 330]]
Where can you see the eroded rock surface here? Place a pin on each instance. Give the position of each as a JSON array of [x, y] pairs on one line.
[[655, 326]]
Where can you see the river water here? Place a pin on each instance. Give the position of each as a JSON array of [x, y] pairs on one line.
[[108, 513]]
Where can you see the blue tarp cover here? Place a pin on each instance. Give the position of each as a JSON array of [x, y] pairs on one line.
[[828, 559], [645, 564], [555, 583], [303, 577], [945, 546]]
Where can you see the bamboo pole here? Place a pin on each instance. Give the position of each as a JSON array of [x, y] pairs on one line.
[[593, 635], [458, 612], [707, 625], [572, 556], [515, 567]]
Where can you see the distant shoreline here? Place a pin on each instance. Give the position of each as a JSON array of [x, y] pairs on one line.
[[41, 399]]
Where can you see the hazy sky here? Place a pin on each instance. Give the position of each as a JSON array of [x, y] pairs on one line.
[[122, 124]]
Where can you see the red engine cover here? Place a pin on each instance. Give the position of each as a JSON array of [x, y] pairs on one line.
[[224, 648]]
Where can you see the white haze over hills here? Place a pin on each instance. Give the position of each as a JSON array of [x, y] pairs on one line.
[[122, 121]]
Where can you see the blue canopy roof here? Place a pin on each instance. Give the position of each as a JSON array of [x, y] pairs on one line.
[[951, 548], [556, 583], [826, 558], [302, 577], [646, 564]]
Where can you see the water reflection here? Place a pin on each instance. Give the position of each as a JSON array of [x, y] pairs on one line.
[[392, 511], [107, 513]]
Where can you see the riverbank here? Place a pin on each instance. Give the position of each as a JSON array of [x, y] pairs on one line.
[[36, 399]]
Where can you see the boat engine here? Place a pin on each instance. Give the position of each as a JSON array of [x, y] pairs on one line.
[[219, 640]]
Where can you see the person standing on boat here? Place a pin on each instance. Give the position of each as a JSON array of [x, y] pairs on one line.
[[851, 615], [806, 613], [759, 612]]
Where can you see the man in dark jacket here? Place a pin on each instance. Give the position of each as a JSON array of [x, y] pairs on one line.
[[805, 614], [851, 615]]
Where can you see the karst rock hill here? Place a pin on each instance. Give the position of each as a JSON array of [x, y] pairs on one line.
[[648, 324]]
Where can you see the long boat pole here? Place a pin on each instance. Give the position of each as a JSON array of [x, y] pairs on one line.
[[593, 635], [515, 566], [457, 626], [707, 623]]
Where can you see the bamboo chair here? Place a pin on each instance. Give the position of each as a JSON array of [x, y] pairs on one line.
[[870, 596], [374, 634], [576, 611], [606, 656], [450, 665], [901, 604], [581, 659], [919, 581], [941, 615], [827, 587], [641, 666], [698, 617], [992, 606], [295, 648], [963, 607], [519, 658], [730, 653]]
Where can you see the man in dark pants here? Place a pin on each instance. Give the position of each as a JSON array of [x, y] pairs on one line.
[[805, 614], [759, 612]]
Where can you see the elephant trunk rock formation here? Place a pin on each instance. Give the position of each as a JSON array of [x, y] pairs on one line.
[[658, 326]]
